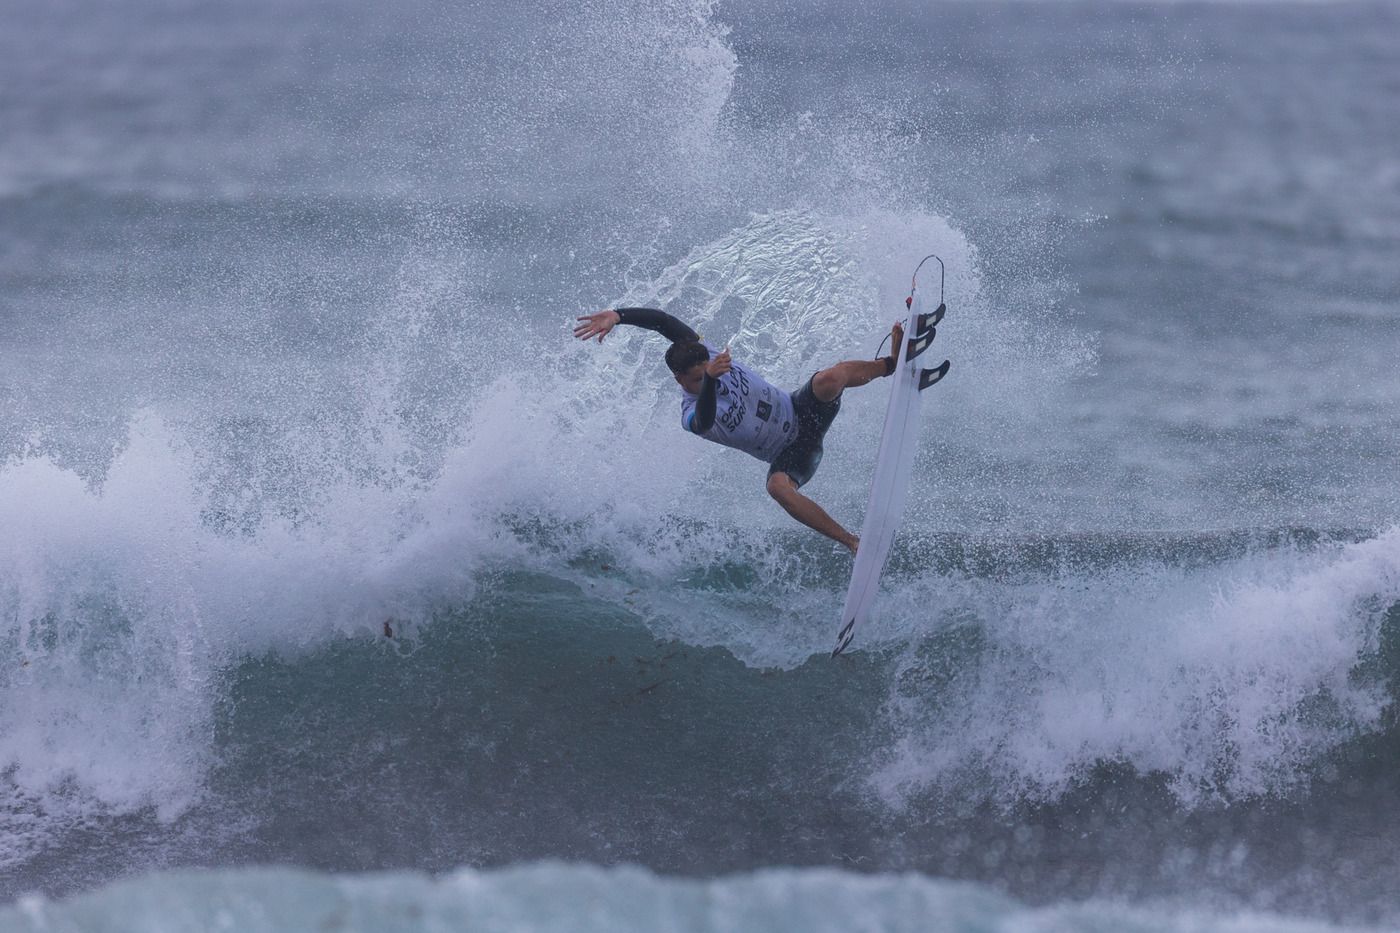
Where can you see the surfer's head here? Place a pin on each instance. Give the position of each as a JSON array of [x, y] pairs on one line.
[[687, 359]]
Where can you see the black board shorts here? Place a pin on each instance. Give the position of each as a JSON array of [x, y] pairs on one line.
[[799, 459]]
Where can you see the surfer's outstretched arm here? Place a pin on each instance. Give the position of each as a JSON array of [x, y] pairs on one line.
[[598, 325]]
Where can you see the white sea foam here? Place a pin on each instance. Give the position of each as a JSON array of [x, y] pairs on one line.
[[548, 896], [1228, 679]]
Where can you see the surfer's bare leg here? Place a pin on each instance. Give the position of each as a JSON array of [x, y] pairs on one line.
[[782, 488], [831, 382]]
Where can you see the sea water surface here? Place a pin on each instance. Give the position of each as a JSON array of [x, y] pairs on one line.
[[340, 586]]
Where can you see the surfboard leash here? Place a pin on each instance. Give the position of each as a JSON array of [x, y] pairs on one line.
[[914, 279], [913, 285]]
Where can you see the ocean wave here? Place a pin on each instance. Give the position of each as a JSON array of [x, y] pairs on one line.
[[552, 896], [1230, 663]]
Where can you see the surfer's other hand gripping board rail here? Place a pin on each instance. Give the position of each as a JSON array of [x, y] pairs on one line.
[[895, 459]]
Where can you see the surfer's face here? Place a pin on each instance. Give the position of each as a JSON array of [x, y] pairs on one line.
[[692, 378]]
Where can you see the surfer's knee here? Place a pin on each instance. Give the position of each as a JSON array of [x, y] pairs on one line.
[[828, 383], [781, 486]]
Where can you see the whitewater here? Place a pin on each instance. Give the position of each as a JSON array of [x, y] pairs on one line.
[[339, 585]]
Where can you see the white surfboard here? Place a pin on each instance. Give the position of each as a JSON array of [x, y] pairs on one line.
[[895, 459]]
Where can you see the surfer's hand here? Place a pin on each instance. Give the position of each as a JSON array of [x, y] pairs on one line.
[[596, 325], [719, 365]]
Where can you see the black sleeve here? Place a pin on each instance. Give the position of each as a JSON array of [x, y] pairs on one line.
[[659, 321], [704, 407]]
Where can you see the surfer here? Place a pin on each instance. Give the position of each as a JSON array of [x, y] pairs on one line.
[[728, 403]]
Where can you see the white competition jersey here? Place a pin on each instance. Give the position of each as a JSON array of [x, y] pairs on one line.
[[750, 414]]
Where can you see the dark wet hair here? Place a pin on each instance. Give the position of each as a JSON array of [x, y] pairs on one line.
[[683, 354]]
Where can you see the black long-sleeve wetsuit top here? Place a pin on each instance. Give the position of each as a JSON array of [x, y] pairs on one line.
[[740, 409]]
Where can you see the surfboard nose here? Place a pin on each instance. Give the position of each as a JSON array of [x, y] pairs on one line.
[[843, 637]]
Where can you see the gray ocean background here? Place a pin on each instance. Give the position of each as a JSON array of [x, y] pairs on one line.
[[341, 589]]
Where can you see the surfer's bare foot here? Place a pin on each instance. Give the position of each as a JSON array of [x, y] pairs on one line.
[[852, 542], [896, 341]]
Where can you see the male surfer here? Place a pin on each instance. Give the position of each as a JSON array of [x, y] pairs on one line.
[[728, 403]]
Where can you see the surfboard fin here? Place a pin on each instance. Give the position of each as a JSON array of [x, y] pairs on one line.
[[920, 343], [924, 331], [928, 377], [931, 320]]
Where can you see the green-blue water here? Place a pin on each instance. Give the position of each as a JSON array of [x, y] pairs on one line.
[[285, 365]]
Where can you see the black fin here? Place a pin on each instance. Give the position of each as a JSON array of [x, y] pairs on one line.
[[928, 377], [930, 321], [919, 343]]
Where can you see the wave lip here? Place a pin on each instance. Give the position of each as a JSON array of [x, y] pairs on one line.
[[555, 896]]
